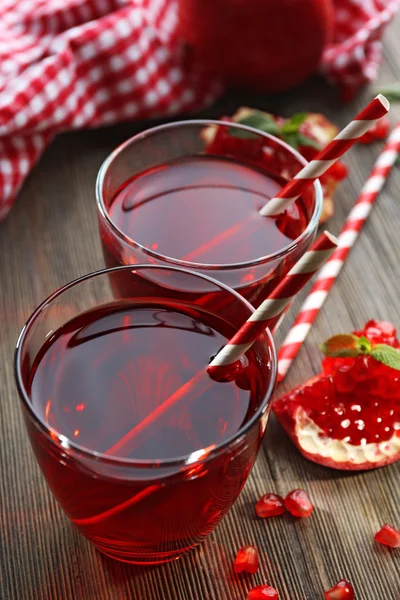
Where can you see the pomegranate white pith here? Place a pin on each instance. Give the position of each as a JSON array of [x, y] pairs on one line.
[[317, 446]]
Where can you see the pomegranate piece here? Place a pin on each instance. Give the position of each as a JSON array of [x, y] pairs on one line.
[[343, 590], [299, 504], [379, 131], [348, 416], [270, 505], [262, 592], [338, 171], [246, 560], [388, 536], [380, 332]]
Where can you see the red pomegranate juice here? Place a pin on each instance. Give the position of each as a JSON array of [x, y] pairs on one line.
[[204, 209], [96, 379]]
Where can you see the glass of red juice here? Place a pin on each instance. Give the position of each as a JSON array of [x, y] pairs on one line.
[[143, 477], [189, 194]]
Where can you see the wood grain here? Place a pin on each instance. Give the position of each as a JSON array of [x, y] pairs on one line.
[[50, 238]]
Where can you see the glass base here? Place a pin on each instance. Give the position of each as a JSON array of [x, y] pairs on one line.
[[149, 559]]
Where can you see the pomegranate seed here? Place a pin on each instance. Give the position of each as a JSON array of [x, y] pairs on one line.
[[379, 331], [246, 560], [379, 131], [338, 171], [389, 536], [360, 370], [262, 592], [299, 504], [382, 128], [343, 590], [270, 505], [367, 138], [343, 381]]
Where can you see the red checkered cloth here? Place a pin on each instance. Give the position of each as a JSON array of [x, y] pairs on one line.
[[353, 57], [68, 64]]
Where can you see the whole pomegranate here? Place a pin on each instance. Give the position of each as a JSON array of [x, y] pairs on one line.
[[269, 45]]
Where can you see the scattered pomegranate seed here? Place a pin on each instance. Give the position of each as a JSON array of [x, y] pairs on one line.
[[389, 536], [299, 504], [270, 505], [262, 592], [246, 560], [343, 590]]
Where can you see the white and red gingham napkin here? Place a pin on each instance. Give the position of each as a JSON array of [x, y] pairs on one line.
[[68, 64], [353, 57]]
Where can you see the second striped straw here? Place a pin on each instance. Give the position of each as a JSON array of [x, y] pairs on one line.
[[354, 222]]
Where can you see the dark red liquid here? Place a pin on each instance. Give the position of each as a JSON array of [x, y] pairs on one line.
[[178, 209], [205, 210], [96, 379]]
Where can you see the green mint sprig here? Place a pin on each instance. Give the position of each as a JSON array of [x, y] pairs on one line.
[[350, 345], [289, 131]]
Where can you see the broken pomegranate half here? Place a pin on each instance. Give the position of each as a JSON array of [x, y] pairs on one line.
[[348, 416]]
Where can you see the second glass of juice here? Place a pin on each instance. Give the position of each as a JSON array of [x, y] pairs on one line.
[[189, 194]]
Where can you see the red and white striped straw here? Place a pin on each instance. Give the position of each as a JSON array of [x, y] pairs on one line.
[[354, 222], [275, 304], [241, 341], [376, 109]]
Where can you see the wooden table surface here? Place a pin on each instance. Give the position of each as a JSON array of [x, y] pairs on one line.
[[51, 237]]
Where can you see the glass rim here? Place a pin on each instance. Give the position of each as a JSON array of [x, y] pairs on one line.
[[107, 163], [199, 456]]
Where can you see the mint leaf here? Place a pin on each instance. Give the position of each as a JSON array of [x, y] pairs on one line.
[[364, 345], [387, 355], [342, 345], [299, 118], [289, 127], [257, 120], [266, 123], [291, 139], [242, 134], [391, 91], [254, 115], [272, 128], [292, 125], [305, 141]]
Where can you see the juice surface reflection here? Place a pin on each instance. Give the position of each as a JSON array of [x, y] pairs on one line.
[[205, 210]]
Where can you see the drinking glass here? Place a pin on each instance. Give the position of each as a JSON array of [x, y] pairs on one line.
[[162, 146], [138, 510]]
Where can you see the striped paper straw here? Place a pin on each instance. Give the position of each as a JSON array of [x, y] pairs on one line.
[[275, 304], [376, 109], [354, 222]]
